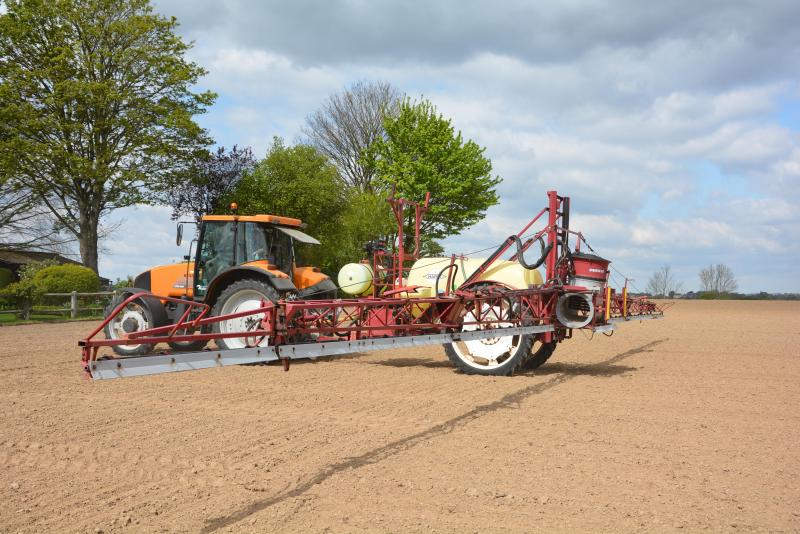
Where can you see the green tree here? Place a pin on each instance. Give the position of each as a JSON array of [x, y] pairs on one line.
[[366, 217], [96, 107], [421, 153], [300, 182]]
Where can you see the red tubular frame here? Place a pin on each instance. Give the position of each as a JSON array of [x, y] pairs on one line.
[[387, 313]]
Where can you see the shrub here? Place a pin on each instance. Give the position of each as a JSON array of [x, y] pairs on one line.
[[6, 277], [24, 292], [66, 278]]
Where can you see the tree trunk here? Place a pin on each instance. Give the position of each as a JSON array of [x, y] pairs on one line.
[[88, 241]]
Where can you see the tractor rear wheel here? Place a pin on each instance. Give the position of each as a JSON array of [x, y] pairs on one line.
[[243, 295]]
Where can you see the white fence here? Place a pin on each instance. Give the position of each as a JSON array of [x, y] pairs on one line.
[[73, 301]]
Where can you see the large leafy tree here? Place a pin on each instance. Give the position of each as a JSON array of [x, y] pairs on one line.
[[296, 181], [421, 152], [97, 107], [299, 181], [213, 178]]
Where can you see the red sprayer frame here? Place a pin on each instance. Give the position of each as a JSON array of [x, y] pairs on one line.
[[390, 318]]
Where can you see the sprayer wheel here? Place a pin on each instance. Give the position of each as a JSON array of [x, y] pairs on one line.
[[539, 356], [475, 364], [498, 356]]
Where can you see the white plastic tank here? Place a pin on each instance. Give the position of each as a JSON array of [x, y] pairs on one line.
[[355, 279], [509, 273]]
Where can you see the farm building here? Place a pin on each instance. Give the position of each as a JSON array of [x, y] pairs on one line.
[[12, 260]]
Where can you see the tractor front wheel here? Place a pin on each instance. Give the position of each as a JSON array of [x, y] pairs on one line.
[[244, 295], [134, 317]]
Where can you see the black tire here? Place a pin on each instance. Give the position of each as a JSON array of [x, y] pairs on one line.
[[187, 346], [539, 356], [141, 317], [250, 285], [517, 357]]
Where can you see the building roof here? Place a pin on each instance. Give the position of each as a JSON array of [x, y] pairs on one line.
[[24, 257]]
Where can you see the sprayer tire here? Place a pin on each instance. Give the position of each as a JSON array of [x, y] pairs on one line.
[[507, 368], [540, 355]]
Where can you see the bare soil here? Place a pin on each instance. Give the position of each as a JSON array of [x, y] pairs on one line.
[[687, 423]]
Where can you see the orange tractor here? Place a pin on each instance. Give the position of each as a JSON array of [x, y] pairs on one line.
[[240, 262]]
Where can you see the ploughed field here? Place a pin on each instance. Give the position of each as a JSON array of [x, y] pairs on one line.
[[687, 423]]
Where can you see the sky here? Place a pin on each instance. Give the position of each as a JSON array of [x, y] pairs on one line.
[[673, 126]]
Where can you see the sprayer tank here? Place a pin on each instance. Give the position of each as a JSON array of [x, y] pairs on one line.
[[355, 279], [509, 273]]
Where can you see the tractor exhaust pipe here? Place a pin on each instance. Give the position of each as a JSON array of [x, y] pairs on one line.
[[575, 310]]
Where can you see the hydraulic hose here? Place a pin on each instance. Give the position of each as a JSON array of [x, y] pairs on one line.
[[510, 240], [521, 258], [438, 276]]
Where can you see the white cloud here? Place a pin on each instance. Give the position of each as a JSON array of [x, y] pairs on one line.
[[660, 121], [145, 238]]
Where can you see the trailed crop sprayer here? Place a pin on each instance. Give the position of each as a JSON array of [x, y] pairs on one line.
[[244, 291]]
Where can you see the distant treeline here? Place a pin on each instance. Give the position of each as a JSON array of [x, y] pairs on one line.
[[714, 295]]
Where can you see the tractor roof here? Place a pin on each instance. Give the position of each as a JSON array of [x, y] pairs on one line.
[[274, 219]]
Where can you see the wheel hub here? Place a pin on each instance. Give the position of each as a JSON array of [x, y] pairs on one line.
[[130, 325]]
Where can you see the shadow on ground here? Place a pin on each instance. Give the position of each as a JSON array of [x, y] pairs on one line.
[[413, 362], [509, 401], [577, 369]]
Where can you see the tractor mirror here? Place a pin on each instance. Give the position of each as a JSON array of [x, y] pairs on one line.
[[179, 235]]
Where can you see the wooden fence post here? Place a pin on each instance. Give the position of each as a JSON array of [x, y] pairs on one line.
[[73, 305]]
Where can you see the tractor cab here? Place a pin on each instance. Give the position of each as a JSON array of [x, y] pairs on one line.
[[231, 247], [263, 242]]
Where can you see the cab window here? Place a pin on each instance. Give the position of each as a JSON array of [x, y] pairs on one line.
[[258, 241], [279, 250], [216, 252], [252, 243]]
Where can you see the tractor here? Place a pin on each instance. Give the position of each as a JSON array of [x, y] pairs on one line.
[[240, 262]]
